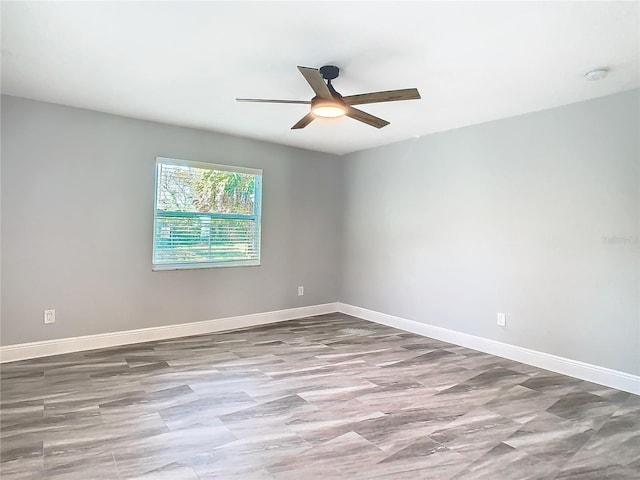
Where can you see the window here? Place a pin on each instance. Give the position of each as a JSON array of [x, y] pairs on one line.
[[205, 215]]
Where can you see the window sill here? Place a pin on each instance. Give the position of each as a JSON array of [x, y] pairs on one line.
[[194, 266]]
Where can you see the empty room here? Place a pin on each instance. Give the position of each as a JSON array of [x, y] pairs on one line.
[[320, 240]]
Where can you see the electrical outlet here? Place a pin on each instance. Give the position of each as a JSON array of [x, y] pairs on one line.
[[49, 316], [502, 319], [300, 291]]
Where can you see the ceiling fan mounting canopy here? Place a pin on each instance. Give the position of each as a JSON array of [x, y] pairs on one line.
[[329, 72], [328, 103]]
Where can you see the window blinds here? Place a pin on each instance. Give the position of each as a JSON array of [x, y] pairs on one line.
[[206, 215]]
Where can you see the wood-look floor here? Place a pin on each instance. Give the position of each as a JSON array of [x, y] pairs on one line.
[[327, 397]]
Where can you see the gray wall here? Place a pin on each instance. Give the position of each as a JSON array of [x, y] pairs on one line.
[[77, 215], [536, 216], [510, 216]]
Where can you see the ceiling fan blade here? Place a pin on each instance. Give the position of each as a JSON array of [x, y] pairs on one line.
[[304, 121], [366, 118], [316, 81], [265, 100], [387, 96]]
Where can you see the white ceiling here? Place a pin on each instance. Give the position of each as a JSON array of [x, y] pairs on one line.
[[184, 63]]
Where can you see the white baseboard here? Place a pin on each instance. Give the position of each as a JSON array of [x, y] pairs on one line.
[[24, 351], [584, 371]]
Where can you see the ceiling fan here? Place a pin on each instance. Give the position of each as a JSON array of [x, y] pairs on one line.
[[328, 103]]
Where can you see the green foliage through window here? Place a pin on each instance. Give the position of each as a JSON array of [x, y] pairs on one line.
[[206, 215]]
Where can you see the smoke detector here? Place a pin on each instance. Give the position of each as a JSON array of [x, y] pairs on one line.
[[597, 74]]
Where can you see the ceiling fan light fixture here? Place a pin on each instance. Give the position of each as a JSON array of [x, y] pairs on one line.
[[325, 108]]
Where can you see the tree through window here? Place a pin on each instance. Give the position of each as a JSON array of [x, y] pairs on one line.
[[206, 215]]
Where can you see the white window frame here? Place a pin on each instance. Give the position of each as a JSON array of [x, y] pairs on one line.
[[256, 216]]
